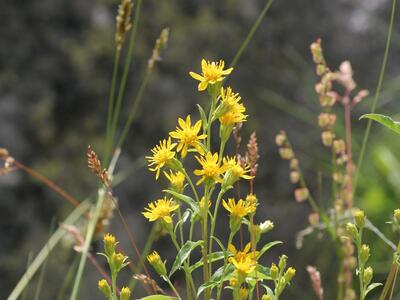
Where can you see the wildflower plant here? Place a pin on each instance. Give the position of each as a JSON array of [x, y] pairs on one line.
[[199, 193]]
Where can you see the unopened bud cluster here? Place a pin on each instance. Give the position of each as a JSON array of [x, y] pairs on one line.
[[116, 262], [280, 276], [286, 152]]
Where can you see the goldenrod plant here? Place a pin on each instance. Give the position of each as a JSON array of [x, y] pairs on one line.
[[196, 196]]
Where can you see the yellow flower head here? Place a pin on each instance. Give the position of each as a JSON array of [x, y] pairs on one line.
[[125, 294], [243, 293], [109, 244], [212, 169], [231, 164], [176, 179], [211, 73], [229, 98], [245, 253], [153, 258], [104, 287], [188, 135], [243, 266], [234, 115], [162, 153], [239, 209], [160, 209]]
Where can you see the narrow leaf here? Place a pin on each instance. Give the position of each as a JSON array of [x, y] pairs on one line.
[[267, 247], [215, 256], [371, 287], [384, 120], [188, 200], [183, 254]]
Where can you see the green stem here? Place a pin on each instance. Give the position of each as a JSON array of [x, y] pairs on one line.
[[213, 221], [88, 241], [111, 103], [188, 277], [251, 33], [173, 288], [206, 273], [134, 108], [114, 285], [219, 288], [191, 184], [377, 93], [125, 71]]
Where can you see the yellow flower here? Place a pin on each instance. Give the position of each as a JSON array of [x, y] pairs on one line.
[[237, 171], [212, 169], [239, 255], [109, 244], [176, 179], [105, 288], [188, 136], [155, 260], [239, 209], [243, 266], [160, 209], [234, 115], [162, 153], [229, 98], [211, 73], [125, 293], [243, 293]]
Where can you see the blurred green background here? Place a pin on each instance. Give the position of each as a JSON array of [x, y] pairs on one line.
[[56, 60]]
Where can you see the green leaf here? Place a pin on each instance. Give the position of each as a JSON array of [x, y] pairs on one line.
[[188, 200], [215, 256], [184, 218], [384, 120], [203, 117], [216, 278], [158, 297], [267, 247], [371, 287], [183, 254], [219, 243]]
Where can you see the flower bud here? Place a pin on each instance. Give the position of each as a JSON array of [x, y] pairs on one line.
[[313, 219], [364, 253], [327, 138], [274, 271], [294, 177], [282, 262], [316, 52], [337, 177], [266, 297], [339, 146], [294, 163], [125, 294], [118, 261], [155, 260], [351, 230], [368, 274], [289, 274], [109, 244], [280, 138], [286, 153], [266, 226], [105, 288], [396, 215], [359, 218], [326, 100], [243, 293], [321, 69], [301, 194]]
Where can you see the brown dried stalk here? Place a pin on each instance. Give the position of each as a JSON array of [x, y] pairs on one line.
[[94, 164]]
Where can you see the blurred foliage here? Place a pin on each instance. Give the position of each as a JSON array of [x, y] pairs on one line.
[[56, 62]]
